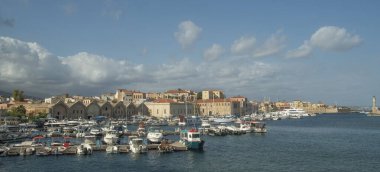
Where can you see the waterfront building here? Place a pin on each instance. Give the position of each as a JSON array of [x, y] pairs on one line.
[[168, 108], [59, 110], [105, 109], [131, 110], [119, 110], [76, 110], [218, 107], [243, 108], [93, 109]]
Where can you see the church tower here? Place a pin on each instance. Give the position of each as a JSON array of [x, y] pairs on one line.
[[374, 108]]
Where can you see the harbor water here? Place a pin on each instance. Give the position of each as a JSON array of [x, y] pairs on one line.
[[327, 142]]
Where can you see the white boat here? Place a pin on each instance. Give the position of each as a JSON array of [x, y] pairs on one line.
[[96, 132], [258, 127], [294, 113], [84, 149], [136, 145], [154, 135], [223, 120], [111, 137], [244, 126], [112, 149]]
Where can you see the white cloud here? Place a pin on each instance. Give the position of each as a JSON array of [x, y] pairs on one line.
[[304, 50], [28, 66], [187, 34], [90, 69], [273, 45], [333, 38], [243, 45], [328, 38], [214, 52], [22, 62]]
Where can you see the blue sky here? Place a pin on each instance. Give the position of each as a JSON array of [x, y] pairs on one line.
[[310, 50]]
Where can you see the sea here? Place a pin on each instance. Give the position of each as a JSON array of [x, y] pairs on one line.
[[327, 142]]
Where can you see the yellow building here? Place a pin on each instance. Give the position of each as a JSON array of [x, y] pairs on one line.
[[218, 107], [167, 108]]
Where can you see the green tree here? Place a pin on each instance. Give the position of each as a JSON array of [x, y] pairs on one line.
[[18, 111], [18, 95]]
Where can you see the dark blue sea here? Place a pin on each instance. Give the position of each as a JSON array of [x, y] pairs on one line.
[[327, 142]]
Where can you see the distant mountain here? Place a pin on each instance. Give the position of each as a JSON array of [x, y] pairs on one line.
[[7, 94]]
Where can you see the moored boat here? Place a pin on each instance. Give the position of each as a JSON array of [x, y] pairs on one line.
[[191, 139]]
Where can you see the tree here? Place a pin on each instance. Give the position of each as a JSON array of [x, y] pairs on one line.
[[18, 95], [18, 111]]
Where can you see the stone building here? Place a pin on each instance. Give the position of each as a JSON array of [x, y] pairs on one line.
[[59, 110], [76, 110], [218, 107], [93, 109], [212, 94], [168, 108], [106, 109]]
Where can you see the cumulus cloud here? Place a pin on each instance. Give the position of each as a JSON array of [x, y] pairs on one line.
[[187, 33], [7, 22], [214, 52], [327, 38], [92, 69], [273, 45], [22, 62], [333, 38], [243, 45], [304, 50], [30, 67]]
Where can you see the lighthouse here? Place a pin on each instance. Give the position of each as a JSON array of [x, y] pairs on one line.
[[374, 108]]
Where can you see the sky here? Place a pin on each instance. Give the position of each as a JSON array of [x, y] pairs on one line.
[[325, 50]]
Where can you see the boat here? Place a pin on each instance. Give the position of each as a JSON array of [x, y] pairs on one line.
[[193, 121], [111, 137], [258, 127], [112, 149], [141, 129], [136, 145], [96, 132], [154, 135], [84, 149], [223, 120], [245, 126], [191, 139]]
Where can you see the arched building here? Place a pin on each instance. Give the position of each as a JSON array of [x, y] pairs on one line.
[[93, 110], [59, 110], [76, 110]]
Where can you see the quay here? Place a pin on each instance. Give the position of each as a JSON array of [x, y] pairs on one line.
[[72, 150]]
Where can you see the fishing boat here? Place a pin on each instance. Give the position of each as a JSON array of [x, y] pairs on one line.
[[154, 135], [191, 139], [258, 127], [136, 145]]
